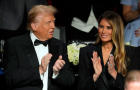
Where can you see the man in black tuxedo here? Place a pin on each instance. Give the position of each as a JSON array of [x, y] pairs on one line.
[[36, 60], [13, 16]]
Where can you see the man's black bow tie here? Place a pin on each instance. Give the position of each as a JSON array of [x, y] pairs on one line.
[[38, 42]]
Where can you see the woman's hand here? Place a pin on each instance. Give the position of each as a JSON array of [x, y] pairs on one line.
[[96, 65], [111, 67]]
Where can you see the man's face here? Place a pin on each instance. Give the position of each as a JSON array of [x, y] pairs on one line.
[[132, 86], [44, 27]]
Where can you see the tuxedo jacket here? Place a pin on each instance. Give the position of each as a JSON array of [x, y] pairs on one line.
[[22, 66], [13, 13], [105, 81]]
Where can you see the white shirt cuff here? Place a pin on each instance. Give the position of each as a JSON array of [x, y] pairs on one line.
[[54, 75]]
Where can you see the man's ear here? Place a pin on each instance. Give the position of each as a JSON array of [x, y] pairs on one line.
[[34, 26]]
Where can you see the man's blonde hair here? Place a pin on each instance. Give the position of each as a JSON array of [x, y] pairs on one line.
[[38, 10]]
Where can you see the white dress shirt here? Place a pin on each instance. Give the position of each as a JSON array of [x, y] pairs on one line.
[[41, 51]]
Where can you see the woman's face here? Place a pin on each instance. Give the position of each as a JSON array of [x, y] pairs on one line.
[[105, 31]]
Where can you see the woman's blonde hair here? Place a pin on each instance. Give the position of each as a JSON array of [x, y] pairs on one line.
[[39, 10], [117, 25]]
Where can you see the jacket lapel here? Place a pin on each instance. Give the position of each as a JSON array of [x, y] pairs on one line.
[[53, 50], [30, 51]]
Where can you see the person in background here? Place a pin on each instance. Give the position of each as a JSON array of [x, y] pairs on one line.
[[131, 14], [36, 60], [132, 81], [102, 66], [14, 16]]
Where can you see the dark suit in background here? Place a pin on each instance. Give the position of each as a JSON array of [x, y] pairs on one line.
[[13, 16], [133, 53], [22, 69]]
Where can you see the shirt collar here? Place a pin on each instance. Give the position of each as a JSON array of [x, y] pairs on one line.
[[33, 37]]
